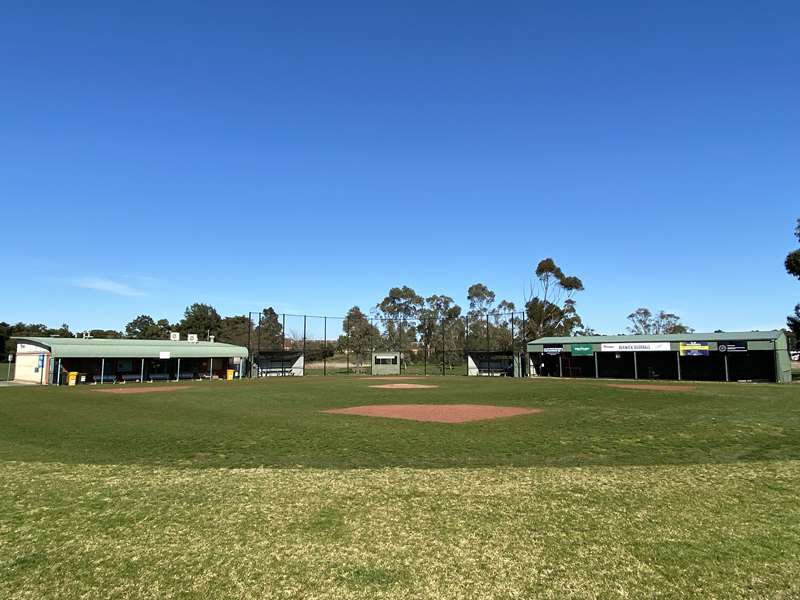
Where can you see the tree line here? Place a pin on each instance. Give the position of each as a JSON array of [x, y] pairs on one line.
[[402, 320]]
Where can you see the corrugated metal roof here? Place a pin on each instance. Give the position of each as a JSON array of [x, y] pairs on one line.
[[746, 336], [109, 348]]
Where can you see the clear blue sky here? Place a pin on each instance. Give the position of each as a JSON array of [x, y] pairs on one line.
[[311, 155]]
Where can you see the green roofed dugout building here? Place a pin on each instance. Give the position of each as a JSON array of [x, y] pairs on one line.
[[47, 360], [745, 356]]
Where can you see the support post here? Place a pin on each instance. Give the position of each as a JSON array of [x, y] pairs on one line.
[[210, 368], [304, 344], [400, 343], [178, 372], [283, 333], [249, 333], [141, 373], [635, 367], [443, 347], [513, 357], [678, 358], [324, 346], [727, 376], [102, 370], [596, 368], [347, 352], [488, 343], [560, 367], [58, 375], [241, 362], [258, 337]]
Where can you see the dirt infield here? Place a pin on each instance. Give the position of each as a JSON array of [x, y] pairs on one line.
[[403, 386], [394, 378], [141, 390], [435, 413], [653, 387]]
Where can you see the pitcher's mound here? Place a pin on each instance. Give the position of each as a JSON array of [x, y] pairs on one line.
[[403, 386], [435, 413], [652, 387], [153, 389]]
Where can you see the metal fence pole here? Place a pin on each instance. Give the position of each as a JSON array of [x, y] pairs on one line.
[[488, 344], [324, 346], [141, 374], [58, 375], [304, 344], [400, 344], [102, 370], [347, 341], [210, 368], [178, 373], [443, 347]]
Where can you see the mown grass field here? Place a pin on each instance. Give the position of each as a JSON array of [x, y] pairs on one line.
[[247, 490]]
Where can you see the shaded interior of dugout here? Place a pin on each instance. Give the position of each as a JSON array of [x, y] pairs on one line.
[[134, 369], [670, 366]]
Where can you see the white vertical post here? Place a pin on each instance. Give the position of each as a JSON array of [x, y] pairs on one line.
[[635, 367], [727, 378], [560, 368], [210, 368], [141, 375], [596, 369], [178, 374], [241, 362], [678, 357], [58, 375], [102, 370]]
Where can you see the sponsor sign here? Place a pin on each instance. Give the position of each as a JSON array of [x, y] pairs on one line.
[[164, 355], [41, 361], [694, 348], [553, 348], [582, 350], [636, 347], [732, 347]]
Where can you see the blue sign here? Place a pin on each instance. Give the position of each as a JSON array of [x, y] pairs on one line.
[[41, 361]]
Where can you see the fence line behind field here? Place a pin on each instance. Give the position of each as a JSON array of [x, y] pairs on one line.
[[282, 344]]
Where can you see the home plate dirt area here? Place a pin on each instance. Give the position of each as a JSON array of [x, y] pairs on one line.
[[404, 386], [435, 413], [141, 390]]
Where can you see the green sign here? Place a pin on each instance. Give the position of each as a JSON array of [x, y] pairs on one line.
[[582, 350]]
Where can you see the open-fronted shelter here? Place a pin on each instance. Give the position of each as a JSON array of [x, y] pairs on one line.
[[735, 356], [47, 360]]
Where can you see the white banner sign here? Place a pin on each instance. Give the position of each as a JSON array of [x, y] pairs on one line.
[[637, 347], [163, 355]]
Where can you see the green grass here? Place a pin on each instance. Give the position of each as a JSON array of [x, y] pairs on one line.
[[4, 368], [247, 490]]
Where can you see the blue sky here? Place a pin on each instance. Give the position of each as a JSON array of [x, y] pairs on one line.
[[311, 155]]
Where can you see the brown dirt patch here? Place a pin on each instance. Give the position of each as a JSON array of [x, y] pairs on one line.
[[403, 386], [654, 388], [436, 413], [394, 378], [140, 390]]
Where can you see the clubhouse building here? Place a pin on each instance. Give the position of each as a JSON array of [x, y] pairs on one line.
[[51, 360], [754, 356]]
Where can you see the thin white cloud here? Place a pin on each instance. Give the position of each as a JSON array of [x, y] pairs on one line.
[[107, 285]]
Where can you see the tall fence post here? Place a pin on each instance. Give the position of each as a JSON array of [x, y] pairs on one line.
[[324, 346], [347, 352], [444, 347], [304, 344]]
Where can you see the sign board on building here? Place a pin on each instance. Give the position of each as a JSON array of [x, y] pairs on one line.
[[41, 361], [582, 350], [694, 348], [732, 346], [553, 348], [636, 347], [164, 355]]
